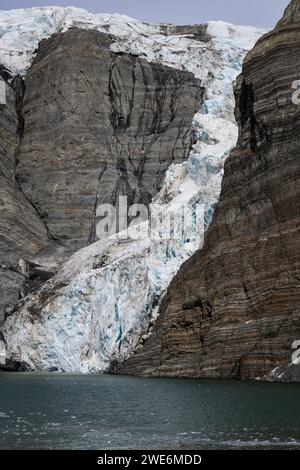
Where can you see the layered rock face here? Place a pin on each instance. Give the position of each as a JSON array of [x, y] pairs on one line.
[[85, 126], [99, 125], [22, 233], [233, 310], [103, 301]]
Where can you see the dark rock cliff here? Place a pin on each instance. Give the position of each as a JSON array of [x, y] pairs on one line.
[[99, 125], [233, 311], [87, 126], [22, 234]]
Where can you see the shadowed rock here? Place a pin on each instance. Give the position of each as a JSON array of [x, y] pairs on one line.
[[22, 234], [87, 126], [99, 125], [233, 311]]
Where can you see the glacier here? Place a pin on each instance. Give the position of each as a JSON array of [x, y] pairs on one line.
[[103, 303]]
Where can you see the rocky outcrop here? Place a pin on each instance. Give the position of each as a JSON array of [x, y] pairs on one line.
[[99, 125], [22, 234], [86, 126], [233, 310], [101, 304], [291, 14]]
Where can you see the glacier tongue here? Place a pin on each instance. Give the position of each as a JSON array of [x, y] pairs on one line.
[[102, 304]]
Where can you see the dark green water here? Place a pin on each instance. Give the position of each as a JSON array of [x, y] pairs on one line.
[[42, 411]]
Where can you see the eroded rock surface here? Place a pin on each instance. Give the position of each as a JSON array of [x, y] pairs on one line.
[[85, 126], [234, 308], [99, 125], [22, 233], [103, 302]]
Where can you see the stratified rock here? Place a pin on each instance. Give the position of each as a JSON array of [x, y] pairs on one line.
[[291, 14], [9, 138], [101, 304], [234, 308], [22, 234], [99, 125], [92, 125]]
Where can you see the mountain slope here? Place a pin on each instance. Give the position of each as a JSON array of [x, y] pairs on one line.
[[99, 125], [22, 233], [233, 310], [103, 302]]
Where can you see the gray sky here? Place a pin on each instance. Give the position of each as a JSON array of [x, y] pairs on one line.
[[253, 12]]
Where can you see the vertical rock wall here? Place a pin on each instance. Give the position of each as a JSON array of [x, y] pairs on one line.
[[234, 308], [99, 125]]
